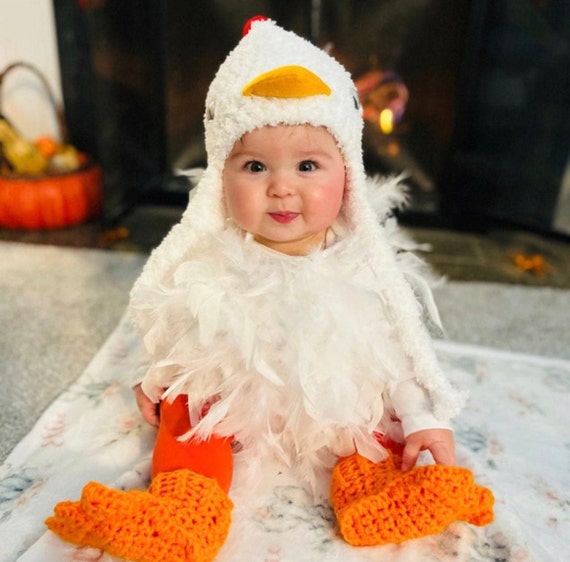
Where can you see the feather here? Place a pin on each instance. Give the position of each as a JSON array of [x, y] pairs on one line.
[[194, 175], [387, 195], [302, 380]]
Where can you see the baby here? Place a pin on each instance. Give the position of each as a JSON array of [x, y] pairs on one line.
[[285, 186], [278, 317]]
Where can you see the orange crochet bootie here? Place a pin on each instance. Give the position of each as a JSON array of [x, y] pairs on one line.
[[378, 503], [183, 517]]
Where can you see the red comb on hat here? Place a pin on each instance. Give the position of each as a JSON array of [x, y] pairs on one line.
[[249, 23]]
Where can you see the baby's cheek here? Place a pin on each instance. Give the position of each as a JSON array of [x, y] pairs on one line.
[[240, 207], [328, 204], [232, 202]]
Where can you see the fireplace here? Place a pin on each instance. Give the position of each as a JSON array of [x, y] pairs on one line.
[[471, 98]]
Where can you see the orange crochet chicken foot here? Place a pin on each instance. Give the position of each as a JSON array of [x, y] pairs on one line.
[[183, 517], [378, 503]]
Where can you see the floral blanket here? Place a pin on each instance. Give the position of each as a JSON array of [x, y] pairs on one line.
[[514, 434]]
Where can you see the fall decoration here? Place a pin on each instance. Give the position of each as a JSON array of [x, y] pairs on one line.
[[44, 183], [534, 263]]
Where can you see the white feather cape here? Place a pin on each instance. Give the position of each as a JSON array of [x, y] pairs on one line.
[[297, 351]]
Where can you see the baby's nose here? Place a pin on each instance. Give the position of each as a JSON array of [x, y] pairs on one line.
[[280, 186]]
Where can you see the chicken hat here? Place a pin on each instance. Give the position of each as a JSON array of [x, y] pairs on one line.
[[274, 77]]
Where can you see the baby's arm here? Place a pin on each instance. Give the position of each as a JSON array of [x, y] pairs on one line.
[[148, 408], [422, 430]]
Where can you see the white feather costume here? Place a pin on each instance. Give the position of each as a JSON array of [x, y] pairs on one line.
[[303, 356]]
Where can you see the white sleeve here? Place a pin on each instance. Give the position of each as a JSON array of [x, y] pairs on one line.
[[413, 407]]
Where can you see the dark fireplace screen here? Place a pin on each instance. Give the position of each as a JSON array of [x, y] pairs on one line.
[[470, 98]]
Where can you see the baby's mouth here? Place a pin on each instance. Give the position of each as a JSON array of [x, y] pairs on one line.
[[284, 217]]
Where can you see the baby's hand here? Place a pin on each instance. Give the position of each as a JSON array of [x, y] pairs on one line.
[[148, 408], [439, 442]]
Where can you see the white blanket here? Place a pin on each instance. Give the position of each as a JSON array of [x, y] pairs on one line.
[[514, 434]]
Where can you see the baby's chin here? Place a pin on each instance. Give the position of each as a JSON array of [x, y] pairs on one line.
[[293, 246]]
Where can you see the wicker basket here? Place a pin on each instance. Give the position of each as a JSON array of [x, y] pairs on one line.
[[51, 200]]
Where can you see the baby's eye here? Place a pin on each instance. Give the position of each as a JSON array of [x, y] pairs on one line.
[[307, 166], [255, 166]]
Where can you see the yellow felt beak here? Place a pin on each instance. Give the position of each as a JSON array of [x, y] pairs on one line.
[[287, 82]]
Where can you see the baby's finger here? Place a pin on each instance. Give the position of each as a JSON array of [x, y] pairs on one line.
[[410, 455], [442, 454]]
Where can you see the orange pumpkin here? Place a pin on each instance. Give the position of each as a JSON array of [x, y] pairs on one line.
[[50, 201]]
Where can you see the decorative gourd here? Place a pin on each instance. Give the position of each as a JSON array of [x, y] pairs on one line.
[[50, 200]]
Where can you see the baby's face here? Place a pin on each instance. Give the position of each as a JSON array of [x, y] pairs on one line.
[[285, 185]]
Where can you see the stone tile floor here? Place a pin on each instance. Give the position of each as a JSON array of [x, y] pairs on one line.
[[499, 255], [544, 260]]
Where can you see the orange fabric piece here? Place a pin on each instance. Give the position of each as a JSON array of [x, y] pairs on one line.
[[212, 458], [183, 517], [378, 503]]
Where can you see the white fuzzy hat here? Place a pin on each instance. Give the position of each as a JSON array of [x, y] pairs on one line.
[[272, 77], [275, 77]]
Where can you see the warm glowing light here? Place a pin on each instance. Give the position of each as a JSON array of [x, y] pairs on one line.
[[386, 121]]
